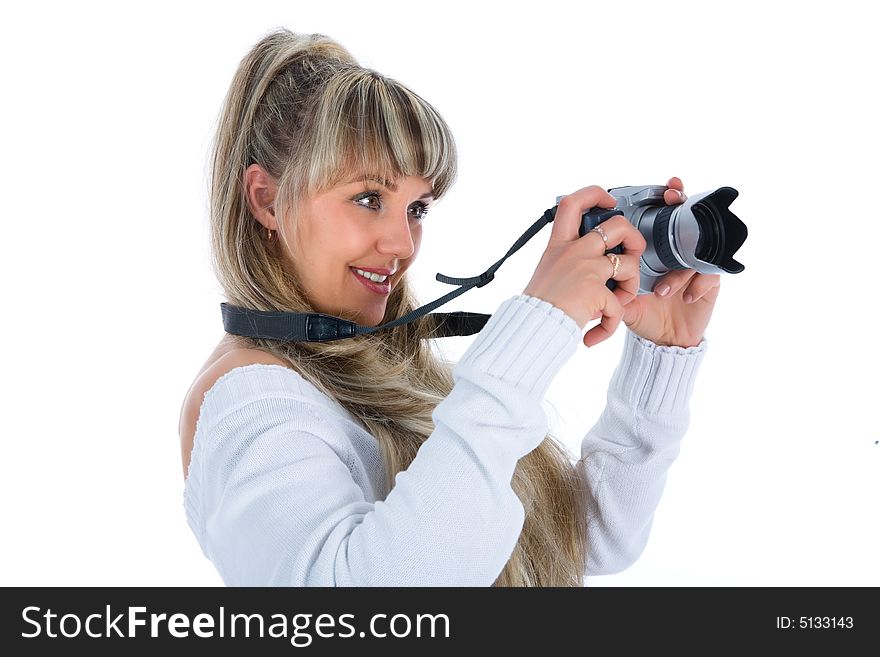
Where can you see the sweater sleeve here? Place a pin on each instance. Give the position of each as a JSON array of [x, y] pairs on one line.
[[273, 501], [628, 452]]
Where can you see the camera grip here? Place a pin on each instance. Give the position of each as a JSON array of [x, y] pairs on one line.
[[593, 218]]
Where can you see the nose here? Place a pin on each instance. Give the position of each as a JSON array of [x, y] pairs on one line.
[[395, 236]]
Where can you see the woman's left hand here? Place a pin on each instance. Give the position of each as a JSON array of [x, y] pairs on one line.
[[679, 316]]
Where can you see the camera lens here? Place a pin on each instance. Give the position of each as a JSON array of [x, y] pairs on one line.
[[710, 246]]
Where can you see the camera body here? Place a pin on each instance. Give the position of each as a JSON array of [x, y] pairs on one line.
[[701, 233]]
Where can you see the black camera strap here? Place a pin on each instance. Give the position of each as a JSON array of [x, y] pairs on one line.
[[318, 327]]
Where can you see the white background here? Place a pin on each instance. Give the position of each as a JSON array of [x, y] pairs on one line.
[[110, 307]]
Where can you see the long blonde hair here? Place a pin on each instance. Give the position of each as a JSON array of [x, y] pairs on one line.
[[302, 108]]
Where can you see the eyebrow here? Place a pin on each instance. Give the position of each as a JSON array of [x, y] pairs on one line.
[[389, 185]]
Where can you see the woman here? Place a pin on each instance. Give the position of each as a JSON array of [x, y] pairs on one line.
[[368, 460]]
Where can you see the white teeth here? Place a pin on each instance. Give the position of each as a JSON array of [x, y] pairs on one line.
[[376, 278]]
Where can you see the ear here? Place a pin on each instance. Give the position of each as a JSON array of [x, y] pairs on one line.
[[260, 189]]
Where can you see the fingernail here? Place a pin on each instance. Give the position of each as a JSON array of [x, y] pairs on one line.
[[688, 298], [663, 290]]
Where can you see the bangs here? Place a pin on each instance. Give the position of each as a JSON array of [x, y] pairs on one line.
[[369, 125]]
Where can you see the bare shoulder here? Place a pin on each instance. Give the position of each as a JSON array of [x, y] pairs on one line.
[[221, 363]]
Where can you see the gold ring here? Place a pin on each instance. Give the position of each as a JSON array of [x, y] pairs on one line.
[[601, 232], [615, 263]]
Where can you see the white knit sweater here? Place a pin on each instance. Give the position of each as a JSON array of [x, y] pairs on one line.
[[284, 486]]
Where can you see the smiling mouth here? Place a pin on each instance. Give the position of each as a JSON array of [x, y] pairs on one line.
[[369, 274], [383, 288]]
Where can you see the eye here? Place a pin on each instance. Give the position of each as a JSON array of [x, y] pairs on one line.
[[421, 210], [418, 209], [366, 196]]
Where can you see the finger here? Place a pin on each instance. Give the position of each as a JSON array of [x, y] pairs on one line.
[[612, 313], [619, 231], [570, 209], [673, 197], [672, 282], [674, 192], [701, 286], [627, 278], [675, 183]]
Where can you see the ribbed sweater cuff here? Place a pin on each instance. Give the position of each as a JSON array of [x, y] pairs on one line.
[[525, 343], [654, 378]]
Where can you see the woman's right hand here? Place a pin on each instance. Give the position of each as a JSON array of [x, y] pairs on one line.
[[573, 270]]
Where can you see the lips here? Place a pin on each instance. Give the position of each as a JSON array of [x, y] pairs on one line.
[[378, 288]]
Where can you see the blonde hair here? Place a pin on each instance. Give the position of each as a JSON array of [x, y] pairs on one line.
[[301, 107]]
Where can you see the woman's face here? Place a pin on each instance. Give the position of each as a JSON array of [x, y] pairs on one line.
[[360, 224]]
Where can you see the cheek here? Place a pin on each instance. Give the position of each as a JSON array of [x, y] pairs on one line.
[[325, 245], [314, 253]]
